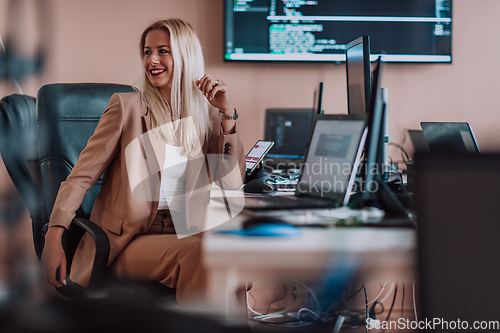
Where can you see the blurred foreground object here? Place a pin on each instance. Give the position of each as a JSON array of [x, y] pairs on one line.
[[106, 315], [18, 148], [458, 232], [23, 49]]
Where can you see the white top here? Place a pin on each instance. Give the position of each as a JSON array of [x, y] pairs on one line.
[[173, 180]]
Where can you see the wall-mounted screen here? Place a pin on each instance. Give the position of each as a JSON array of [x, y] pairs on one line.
[[318, 30]]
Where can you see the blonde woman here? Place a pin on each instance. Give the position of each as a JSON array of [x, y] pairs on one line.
[[144, 220]]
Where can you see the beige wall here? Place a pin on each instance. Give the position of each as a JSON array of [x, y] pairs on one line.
[[96, 41]]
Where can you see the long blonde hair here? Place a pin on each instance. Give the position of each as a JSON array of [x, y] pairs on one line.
[[186, 100]]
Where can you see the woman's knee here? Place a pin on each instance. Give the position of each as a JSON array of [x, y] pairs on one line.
[[192, 247]]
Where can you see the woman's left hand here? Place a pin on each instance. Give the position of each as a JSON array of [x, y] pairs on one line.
[[216, 93]]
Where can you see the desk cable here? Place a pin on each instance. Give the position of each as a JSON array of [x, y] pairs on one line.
[[414, 303], [402, 303], [372, 301], [371, 312], [401, 148], [308, 315], [294, 293], [358, 314], [366, 301], [298, 317], [392, 305]]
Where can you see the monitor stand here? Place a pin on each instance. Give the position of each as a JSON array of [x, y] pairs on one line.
[[385, 133]]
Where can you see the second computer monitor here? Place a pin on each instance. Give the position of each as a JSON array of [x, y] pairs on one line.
[[318, 99], [290, 129], [358, 75]]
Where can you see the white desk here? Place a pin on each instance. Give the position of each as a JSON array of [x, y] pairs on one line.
[[233, 260]]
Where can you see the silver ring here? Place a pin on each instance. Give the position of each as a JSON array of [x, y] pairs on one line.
[[217, 82]]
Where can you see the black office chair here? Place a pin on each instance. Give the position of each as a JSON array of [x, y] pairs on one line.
[[67, 115], [19, 150]]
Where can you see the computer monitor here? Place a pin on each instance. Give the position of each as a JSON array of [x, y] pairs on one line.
[[408, 31], [374, 187], [290, 129], [373, 163], [419, 142], [450, 137], [318, 99], [358, 72]]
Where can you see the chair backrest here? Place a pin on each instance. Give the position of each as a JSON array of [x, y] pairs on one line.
[[19, 150], [67, 116]]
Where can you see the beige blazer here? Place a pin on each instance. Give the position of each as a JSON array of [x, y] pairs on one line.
[[116, 209]]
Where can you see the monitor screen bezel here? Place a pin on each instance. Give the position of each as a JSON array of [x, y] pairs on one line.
[[373, 165], [309, 111], [341, 197], [388, 58], [365, 42]]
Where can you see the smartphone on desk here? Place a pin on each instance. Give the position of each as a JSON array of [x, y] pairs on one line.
[[256, 154]]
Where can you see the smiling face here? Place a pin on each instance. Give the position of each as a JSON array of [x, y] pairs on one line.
[[158, 62]]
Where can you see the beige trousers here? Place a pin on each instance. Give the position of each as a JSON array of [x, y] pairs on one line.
[[158, 255]]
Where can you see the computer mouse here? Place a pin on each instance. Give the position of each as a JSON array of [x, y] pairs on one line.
[[262, 219], [258, 186], [268, 226]]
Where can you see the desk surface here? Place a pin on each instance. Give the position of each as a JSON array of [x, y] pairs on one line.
[[232, 260], [311, 243]]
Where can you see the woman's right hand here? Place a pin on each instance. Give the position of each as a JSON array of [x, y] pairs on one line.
[[53, 257]]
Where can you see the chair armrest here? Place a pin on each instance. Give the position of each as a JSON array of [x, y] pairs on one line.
[[99, 283], [99, 269], [98, 275]]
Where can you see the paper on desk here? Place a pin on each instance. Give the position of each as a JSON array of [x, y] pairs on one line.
[[332, 216]]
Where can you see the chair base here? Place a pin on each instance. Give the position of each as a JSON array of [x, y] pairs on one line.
[[121, 289]]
